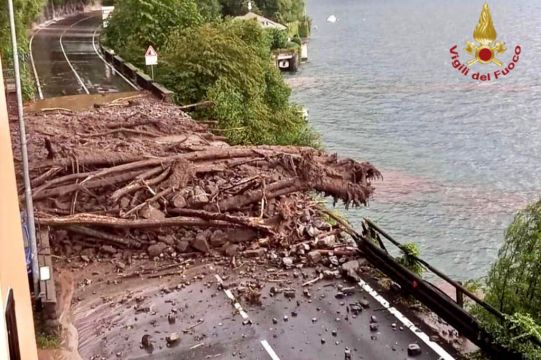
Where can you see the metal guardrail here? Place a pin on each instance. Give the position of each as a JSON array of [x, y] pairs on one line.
[[370, 242]]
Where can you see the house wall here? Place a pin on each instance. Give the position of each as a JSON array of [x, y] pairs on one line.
[[12, 262]]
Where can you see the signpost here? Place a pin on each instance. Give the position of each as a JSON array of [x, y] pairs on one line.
[[105, 13], [151, 59]]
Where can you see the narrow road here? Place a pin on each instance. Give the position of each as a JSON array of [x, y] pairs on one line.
[[66, 61], [309, 324]]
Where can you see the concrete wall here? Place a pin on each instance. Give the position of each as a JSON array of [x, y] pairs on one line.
[[13, 274]]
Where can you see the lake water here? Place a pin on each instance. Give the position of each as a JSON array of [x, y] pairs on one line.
[[458, 157]]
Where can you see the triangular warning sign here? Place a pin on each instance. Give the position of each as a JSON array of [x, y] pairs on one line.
[[151, 51]]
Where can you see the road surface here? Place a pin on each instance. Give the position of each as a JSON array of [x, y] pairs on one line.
[[66, 61], [112, 318]]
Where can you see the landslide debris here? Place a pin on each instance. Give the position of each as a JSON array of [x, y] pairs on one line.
[[141, 175]]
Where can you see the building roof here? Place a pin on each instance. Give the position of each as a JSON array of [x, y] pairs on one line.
[[263, 21]]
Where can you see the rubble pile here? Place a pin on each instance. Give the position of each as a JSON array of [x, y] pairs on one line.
[[141, 175]]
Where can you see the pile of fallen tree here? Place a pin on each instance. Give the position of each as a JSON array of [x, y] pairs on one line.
[[140, 174]]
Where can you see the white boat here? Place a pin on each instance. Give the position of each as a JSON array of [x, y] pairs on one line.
[[332, 19]]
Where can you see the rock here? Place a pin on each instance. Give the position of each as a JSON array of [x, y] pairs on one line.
[[199, 195], [364, 303], [218, 238], [241, 235], [182, 245], [374, 327], [287, 261], [373, 319], [90, 252], [312, 231], [108, 249], [334, 333], [171, 318], [146, 342], [326, 242], [156, 249], [85, 258], [172, 338], [334, 260], [350, 269], [231, 249], [289, 294], [339, 295], [255, 252], [314, 257], [200, 243], [274, 320], [414, 349], [124, 203], [356, 308], [347, 354], [150, 212], [306, 293], [167, 239]]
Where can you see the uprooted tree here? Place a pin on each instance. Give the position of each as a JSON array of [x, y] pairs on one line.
[[139, 172]]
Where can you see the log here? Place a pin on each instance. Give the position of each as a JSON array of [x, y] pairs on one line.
[[115, 240], [247, 221], [64, 190], [116, 223]]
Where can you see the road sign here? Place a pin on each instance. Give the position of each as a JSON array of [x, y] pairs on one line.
[[105, 13], [151, 56]]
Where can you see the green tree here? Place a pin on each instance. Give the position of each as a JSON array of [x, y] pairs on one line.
[[513, 286], [210, 10], [136, 24], [229, 64], [514, 282]]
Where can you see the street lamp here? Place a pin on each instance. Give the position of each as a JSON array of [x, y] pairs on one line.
[[24, 152]]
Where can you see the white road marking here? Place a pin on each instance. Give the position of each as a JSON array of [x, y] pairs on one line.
[[40, 93], [244, 315], [269, 350], [66, 55], [229, 294], [407, 322], [109, 65]]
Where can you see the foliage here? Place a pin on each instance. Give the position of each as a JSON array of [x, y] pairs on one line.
[[514, 282], [283, 11], [210, 10], [26, 11], [229, 64], [514, 286], [278, 38], [136, 24], [47, 341], [408, 259]]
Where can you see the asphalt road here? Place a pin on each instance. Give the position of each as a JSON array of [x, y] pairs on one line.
[[66, 59], [111, 320]]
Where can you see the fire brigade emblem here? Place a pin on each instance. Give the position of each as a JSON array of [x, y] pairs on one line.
[[485, 47]]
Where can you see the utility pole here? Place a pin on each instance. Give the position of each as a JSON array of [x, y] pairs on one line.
[[24, 152]]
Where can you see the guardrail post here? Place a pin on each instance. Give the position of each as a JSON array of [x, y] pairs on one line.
[[459, 296]]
